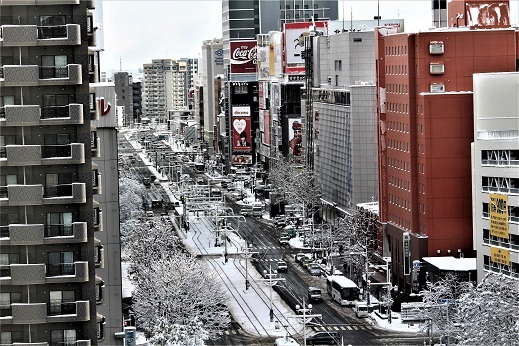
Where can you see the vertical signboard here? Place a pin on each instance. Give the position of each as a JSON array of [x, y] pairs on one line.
[[266, 122], [275, 100], [261, 95], [498, 205], [407, 253], [243, 56], [275, 54], [241, 128], [129, 336], [295, 137], [501, 256], [263, 63], [294, 43]]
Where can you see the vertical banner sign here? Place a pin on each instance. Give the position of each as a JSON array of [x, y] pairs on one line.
[[498, 215], [501, 256], [407, 253], [129, 336], [261, 95]]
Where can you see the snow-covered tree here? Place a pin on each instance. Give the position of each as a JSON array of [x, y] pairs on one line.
[[167, 334], [173, 286], [441, 304], [489, 313], [131, 194], [181, 291]]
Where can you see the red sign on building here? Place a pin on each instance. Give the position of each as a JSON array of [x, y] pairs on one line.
[[243, 56]]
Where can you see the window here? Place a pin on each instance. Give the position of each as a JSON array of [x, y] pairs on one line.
[[58, 224], [4, 101], [62, 303], [6, 259], [56, 145], [7, 338], [6, 299], [53, 66], [436, 47], [56, 106], [92, 100], [52, 27], [65, 337], [61, 263]]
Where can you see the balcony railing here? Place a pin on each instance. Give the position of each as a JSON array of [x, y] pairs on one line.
[[501, 271], [50, 72], [59, 269], [58, 190], [4, 231], [56, 31], [51, 112], [502, 243], [58, 230], [507, 190], [503, 162], [49, 151], [62, 308]]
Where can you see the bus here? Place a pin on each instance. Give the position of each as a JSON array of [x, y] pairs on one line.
[[343, 290]]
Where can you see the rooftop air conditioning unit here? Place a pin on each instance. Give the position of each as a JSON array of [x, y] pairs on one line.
[[436, 47], [436, 68]]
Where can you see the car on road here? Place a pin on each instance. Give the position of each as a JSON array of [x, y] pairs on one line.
[[244, 212], [150, 213], [283, 240], [314, 269], [314, 294], [299, 256], [305, 261], [282, 266], [200, 180], [320, 338]]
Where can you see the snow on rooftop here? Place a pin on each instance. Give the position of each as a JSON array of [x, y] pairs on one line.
[[452, 263]]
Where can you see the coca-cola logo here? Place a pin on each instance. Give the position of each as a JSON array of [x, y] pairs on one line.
[[244, 54]]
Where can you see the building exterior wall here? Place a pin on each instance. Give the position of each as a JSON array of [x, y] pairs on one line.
[[495, 167], [124, 90], [425, 130], [33, 147]]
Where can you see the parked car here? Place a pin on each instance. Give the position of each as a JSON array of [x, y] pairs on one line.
[[283, 240], [200, 180], [282, 266], [314, 269], [305, 261], [244, 212], [150, 213], [328, 337], [299, 256]]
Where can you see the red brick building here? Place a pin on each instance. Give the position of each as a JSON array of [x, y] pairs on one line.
[[425, 131]]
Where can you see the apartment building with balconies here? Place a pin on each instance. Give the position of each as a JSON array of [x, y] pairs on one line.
[[495, 174], [48, 215]]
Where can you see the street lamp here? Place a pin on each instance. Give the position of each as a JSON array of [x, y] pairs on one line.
[[271, 280]]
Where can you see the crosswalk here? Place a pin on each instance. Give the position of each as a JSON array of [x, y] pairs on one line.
[[341, 328]]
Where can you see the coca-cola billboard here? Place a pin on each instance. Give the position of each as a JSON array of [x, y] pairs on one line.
[[243, 56]]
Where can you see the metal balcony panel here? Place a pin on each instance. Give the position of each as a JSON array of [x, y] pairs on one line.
[[25, 195], [27, 115], [29, 313], [96, 148], [21, 234], [28, 274], [80, 274], [19, 35], [78, 196], [24, 155], [82, 314]]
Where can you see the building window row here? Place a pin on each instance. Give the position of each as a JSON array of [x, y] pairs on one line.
[[397, 107], [421, 208], [396, 70], [400, 202], [500, 157], [511, 270], [512, 242], [398, 126], [513, 213], [400, 221], [397, 88], [421, 188], [421, 168], [399, 183], [396, 50], [499, 184], [399, 164]]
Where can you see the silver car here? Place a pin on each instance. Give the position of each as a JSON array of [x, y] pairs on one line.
[[314, 269]]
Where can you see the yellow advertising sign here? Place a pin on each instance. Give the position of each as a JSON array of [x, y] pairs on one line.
[[498, 205], [500, 256]]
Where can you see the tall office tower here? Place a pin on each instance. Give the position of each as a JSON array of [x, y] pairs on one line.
[[124, 91], [137, 101], [425, 131], [164, 88], [439, 13], [344, 120], [211, 71], [48, 216], [495, 173]]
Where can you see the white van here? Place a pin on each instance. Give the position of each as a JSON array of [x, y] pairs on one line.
[[361, 309], [286, 341]]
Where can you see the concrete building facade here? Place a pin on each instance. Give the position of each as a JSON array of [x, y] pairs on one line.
[[124, 90], [495, 177], [49, 218], [425, 131]]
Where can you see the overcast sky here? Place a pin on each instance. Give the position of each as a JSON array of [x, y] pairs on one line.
[[137, 31]]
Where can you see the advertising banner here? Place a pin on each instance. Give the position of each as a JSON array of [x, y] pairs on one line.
[[243, 56], [501, 256], [295, 138], [241, 111], [266, 132], [294, 43], [498, 205], [241, 129], [242, 159], [487, 14], [276, 54], [263, 63], [275, 100], [261, 95]]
